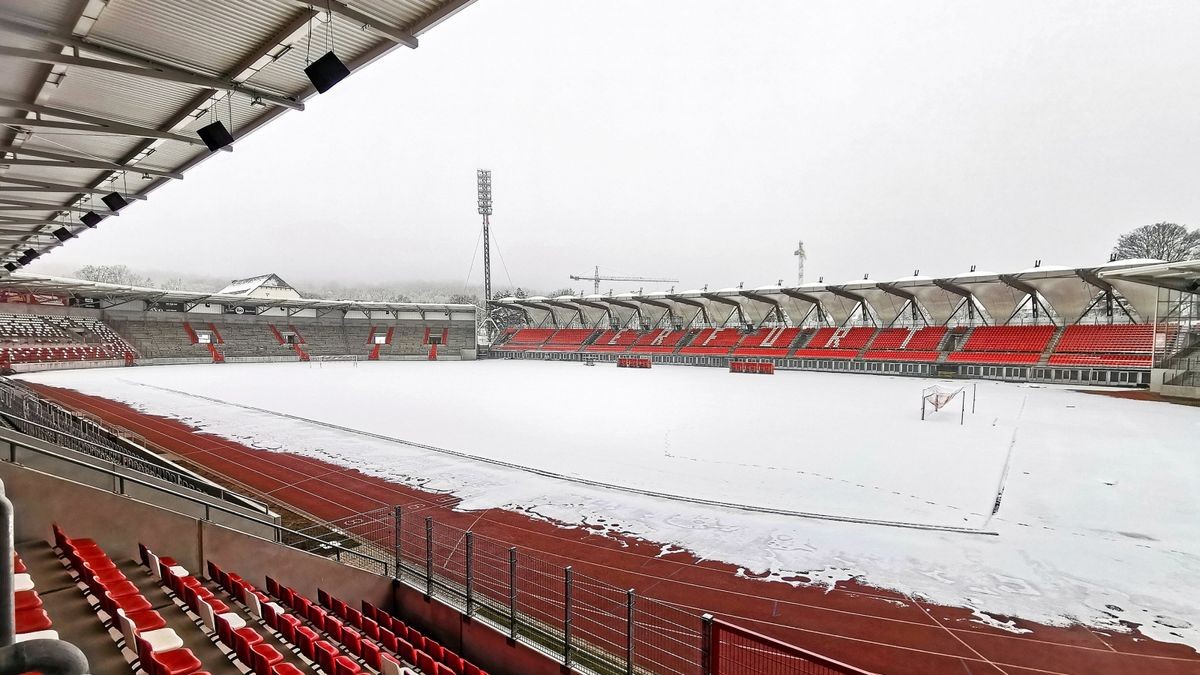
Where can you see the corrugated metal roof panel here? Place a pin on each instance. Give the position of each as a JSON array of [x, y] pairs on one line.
[[210, 36], [210, 40]]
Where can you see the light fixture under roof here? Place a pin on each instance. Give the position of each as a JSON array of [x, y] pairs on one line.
[[114, 201]]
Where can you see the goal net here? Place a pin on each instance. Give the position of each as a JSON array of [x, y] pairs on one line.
[[939, 397], [321, 360]]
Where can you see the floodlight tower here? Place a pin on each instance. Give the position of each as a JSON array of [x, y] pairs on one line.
[[483, 183], [800, 255]]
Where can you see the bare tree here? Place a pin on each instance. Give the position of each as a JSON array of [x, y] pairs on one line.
[[112, 274], [1160, 241]]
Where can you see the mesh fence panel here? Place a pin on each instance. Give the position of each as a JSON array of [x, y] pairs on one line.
[[737, 651], [492, 577], [449, 562], [667, 639]]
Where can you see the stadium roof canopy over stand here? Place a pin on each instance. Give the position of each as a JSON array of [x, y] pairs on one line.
[[1069, 291], [1179, 276], [106, 296], [103, 96]]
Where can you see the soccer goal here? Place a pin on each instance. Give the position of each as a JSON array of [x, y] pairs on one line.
[[319, 360], [937, 397]]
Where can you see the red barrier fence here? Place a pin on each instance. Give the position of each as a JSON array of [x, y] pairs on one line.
[[633, 362], [760, 367], [733, 650]]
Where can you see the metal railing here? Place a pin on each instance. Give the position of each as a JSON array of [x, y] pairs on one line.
[[46, 421], [586, 623], [330, 545], [733, 650]]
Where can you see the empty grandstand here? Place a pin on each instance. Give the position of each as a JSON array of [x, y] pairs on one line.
[[1091, 325], [81, 323]]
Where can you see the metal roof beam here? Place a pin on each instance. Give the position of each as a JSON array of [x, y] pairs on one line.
[[43, 186], [1090, 276], [397, 35], [791, 293], [145, 67], [1016, 283], [444, 11], [7, 204], [952, 288], [898, 292], [86, 121], [841, 292], [9, 220], [75, 162], [131, 131]]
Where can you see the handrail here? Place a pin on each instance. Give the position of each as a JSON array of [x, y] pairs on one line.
[[279, 530], [29, 395], [185, 479]]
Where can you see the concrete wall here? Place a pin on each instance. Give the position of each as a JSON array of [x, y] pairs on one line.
[[1180, 391], [65, 365], [470, 638]]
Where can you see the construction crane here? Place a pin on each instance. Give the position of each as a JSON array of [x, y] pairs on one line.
[[596, 278], [802, 256]]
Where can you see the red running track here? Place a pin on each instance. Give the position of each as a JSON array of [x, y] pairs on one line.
[[870, 628]]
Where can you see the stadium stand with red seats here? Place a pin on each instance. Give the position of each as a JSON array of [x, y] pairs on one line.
[[713, 341], [906, 344], [660, 341], [614, 341], [567, 340], [836, 343], [1117, 345], [768, 343], [1006, 345]]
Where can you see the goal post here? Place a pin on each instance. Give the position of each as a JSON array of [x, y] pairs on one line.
[[937, 397], [319, 360]]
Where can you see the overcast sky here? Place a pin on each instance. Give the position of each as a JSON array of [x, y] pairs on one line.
[[701, 140]]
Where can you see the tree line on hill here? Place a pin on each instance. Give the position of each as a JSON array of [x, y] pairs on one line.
[[1170, 242]]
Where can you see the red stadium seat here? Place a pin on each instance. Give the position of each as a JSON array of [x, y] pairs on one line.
[[265, 658]]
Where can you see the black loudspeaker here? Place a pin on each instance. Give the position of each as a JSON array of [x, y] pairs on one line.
[[326, 72], [11, 267], [91, 219], [31, 254], [114, 201], [215, 136], [63, 234], [24, 259]]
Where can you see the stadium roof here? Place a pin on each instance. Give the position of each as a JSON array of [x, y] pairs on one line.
[[116, 295], [248, 286], [1181, 276], [100, 96], [1069, 291]]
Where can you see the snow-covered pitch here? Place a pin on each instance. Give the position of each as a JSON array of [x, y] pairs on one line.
[[1099, 520]]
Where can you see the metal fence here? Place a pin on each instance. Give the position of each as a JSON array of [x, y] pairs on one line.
[[733, 650], [46, 421], [589, 624]]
